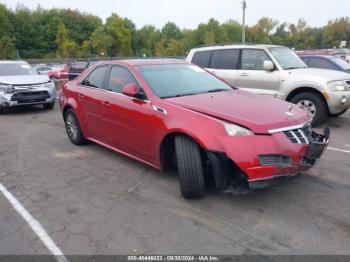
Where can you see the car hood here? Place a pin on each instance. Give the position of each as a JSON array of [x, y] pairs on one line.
[[24, 80], [328, 74], [256, 112]]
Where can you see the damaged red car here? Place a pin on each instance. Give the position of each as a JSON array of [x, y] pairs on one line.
[[167, 113]]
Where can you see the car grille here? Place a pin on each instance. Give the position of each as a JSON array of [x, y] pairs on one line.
[[300, 135], [30, 97], [274, 160]]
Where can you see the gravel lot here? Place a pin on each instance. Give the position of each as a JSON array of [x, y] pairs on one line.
[[91, 200]]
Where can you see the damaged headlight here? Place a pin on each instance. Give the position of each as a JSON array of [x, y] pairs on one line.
[[6, 88], [235, 130]]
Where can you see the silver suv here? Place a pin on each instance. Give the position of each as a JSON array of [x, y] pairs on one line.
[[20, 85], [277, 71]]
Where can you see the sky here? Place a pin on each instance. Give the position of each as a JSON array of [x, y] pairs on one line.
[[190, 13]]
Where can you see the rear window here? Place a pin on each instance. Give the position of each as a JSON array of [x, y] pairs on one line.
[[201, 58], [96, 77], [225, 59]]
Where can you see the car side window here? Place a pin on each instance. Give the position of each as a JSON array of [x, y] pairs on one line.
[[320, 63], [95, 78], [201, 58], [225, 59], [118, 78], [253, 59]]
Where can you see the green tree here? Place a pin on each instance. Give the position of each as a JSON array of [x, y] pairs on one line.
[[174, 48], [232, 30], [170, 31], [337, 31], [133, 34], [261, 32], [67, 48], [210, 33], [147, 38], [101, 41], [121, 35], [7, 48], [6, 27]]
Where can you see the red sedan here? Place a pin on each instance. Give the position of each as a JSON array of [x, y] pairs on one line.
[[168, 113]]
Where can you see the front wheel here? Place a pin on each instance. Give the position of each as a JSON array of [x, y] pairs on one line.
[[73, 129], [314, 104], [49, 106], [190, 167], [339, 114]]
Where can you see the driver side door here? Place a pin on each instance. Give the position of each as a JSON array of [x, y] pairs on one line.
[[129, 121]]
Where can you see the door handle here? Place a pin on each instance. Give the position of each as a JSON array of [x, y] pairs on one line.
[[243, 74], [106, 104], [81, 96]]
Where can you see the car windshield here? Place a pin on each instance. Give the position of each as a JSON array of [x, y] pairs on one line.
[[340, 62], [287, 58], [180, 80], [16, 69]]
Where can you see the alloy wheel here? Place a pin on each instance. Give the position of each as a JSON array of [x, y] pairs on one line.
[[72, 127], [308, 106]]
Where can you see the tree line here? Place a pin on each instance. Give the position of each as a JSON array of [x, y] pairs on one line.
[[66, 33]]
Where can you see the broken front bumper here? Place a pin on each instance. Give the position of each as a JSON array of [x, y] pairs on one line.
[[270, 157]]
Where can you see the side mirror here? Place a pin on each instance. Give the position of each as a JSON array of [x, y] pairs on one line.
[[268, 65], [131, 90]]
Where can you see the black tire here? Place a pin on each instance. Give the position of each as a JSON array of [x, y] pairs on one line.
[[190, 167], [321, 107], [338, 114], [73, 128], [49, 106], [4, 110]]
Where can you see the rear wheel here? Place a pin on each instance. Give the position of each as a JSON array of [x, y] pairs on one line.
[[339, 114], [314, 104], [190, 167], [73, 128]]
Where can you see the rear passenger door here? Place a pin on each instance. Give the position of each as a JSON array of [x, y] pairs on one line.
[[91, 97], [224, 63], [252, 75]]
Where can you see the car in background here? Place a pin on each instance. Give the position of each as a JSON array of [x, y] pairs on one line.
[[169, 113], [278, 71], [326, 62], [21, 85], [73, 69]]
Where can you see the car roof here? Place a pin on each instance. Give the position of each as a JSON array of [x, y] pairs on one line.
[[138, 62], [235, 46], [12, 62]]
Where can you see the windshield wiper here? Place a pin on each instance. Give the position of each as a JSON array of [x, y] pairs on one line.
[[217, 90], [180, 95]]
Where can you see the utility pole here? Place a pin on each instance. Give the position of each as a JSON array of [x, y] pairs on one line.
[[244, 7], [17, 54]]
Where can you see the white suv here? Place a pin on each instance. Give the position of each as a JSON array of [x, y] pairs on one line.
[[279, 72]]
